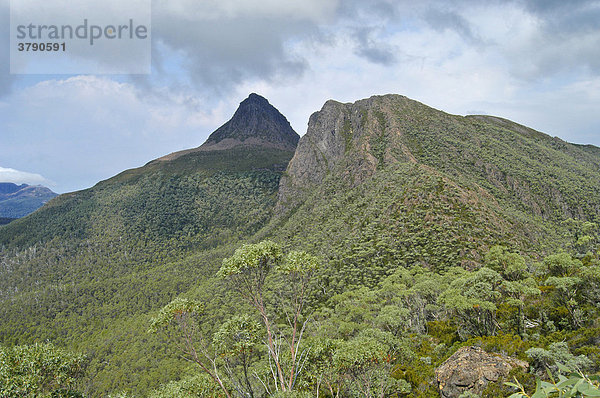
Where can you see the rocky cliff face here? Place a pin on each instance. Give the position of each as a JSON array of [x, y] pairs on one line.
[[354, 139]]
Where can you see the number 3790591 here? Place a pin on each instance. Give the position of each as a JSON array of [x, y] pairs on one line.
[[41, 46]]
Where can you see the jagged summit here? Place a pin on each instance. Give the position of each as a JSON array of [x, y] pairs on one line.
[[255, 123]]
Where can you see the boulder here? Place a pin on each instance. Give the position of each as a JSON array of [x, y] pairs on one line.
[[471, 369]]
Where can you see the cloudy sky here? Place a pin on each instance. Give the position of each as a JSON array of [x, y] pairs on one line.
[[536, 62]]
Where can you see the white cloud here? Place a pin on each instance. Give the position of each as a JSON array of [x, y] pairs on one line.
[[22, 177]]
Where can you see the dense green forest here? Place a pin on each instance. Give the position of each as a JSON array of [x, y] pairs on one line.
[[97, 261], [381, 341], [387, 340], [397, 235]]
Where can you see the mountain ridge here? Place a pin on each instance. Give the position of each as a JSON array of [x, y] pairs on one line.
[[455, 186], [336, 132], [259, 151]]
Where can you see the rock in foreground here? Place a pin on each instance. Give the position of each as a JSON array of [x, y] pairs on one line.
[[471, 369]]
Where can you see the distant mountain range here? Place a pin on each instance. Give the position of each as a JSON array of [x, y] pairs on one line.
[[17, 201]]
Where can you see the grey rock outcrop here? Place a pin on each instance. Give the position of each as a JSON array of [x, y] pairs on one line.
[[471, 369]]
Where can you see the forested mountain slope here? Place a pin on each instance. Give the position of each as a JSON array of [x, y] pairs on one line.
[[388, 181], [374, 188]]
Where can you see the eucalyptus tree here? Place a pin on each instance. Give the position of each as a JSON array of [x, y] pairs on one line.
[[517, 284], [246, 272], [40, 370], [178, 320]]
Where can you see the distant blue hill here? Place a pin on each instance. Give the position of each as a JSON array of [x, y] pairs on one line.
[[17, 201]]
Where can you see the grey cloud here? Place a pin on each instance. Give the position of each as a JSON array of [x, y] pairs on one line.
[[374, 51], [220, 54], [554, 6], [568, 36], [442, 20], [568, 39], [383, 10], [359, 16], [546, 56], [226, 53], [562, 17]]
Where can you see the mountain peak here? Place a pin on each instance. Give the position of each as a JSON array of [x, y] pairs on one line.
[[9, 187], [255, 123], [253, 97]]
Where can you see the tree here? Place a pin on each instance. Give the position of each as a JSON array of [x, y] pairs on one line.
[[565, 281], [503, 282], [517, 284], [199, 385], [178, 320], [39, 370], [297, 272], [236, 342], [582, 236], [365, 363], [321, 374], [473, 297], [246, 272], [410, 297]]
